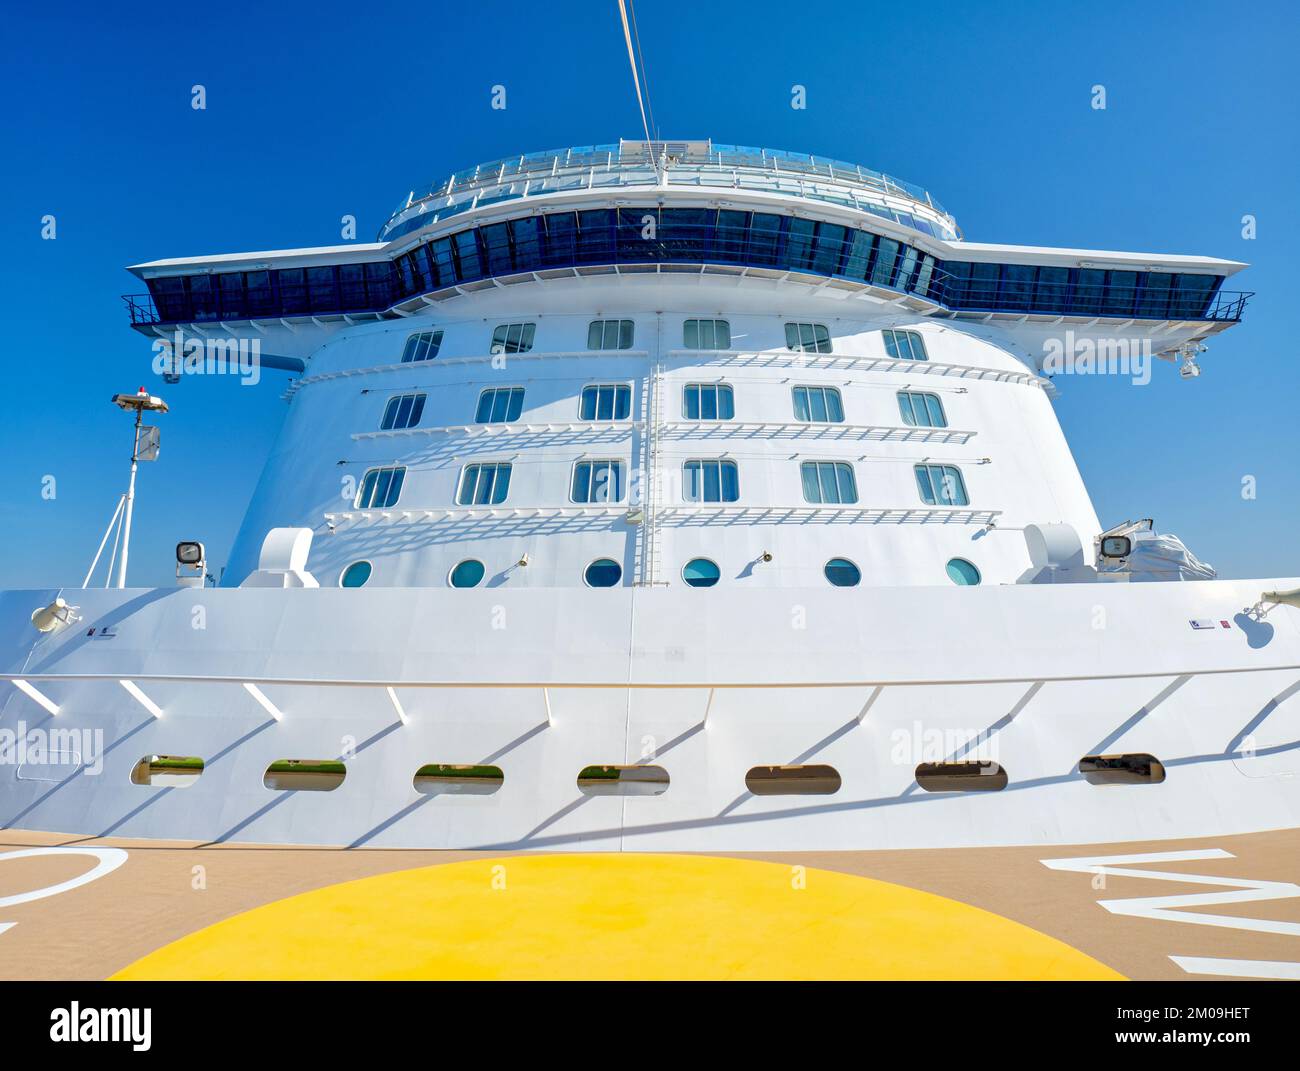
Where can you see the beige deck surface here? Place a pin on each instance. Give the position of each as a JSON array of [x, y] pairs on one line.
[[100, 927]]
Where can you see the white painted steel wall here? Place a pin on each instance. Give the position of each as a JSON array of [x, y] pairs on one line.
[[950, 660]]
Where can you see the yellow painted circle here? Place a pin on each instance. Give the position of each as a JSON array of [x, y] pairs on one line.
[[611, 916]]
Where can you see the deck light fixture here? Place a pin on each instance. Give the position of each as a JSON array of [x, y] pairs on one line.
[[54, 616]]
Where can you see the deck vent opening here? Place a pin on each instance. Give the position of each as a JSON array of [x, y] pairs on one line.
[[961, 777], [817, 780], [167, 771], [451, 779], [623, 780], [1136, 769], [304, 775]]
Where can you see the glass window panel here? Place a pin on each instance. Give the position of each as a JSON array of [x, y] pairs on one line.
[[1121, 290], [848, 488], [886, 256], [712, 482], [811, 485], [934, 409], [726, 403], [905, 409], [382, 482], [799, 243], [923, 485], [730, 481], [709, 404], [826, 476], [513, 338], [834, 410], [691, 480], [467, 255], [801, 403], [380, 488], [395, 487], [859, 256]]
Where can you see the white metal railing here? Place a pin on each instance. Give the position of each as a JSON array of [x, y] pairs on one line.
[[260, 681], [683, 512]]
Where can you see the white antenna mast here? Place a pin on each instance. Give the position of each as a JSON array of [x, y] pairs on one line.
[[144, 448], [636, 81]]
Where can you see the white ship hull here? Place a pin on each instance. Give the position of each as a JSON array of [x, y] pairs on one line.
[[543, 683]]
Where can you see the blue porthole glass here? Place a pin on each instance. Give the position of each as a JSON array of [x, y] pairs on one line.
[[843, 573], [468, 574], [355, 575], [960, 571], [701, 573], [603, 573]]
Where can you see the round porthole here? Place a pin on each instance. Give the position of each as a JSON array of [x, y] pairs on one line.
[[960, 571], [842, 573], [701, 573], [355, 575], [468, 574], [603, 573]]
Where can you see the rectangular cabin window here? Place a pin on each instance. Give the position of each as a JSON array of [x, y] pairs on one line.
[[920, 410], [815, 780], [1134, 769], [597, 482], [381, 488], [304, 775], [818, 405], [905, 345], [808, 338], [828, 483], [443, 778], [706, 335], [403, 411], [708, 401], [422, 346], [484, 484], [710, 480], [499, 405], [623, 780], [610, 335], [167, 771], [941, 485], [964, 776], [513, 338], [605, 401]]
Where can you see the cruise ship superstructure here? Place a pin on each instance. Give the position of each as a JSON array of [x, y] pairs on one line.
[[668, 497]]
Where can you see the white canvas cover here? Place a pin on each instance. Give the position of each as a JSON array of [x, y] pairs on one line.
[[1161, 557]]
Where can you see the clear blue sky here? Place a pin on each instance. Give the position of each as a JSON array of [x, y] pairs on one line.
[[322, 109]]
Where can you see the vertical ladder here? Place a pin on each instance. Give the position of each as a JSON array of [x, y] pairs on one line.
[[653, 409]]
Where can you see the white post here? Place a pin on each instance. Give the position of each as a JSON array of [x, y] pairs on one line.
[[130, 500]]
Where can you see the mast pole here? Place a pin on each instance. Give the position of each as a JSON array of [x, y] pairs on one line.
[[130, 499]]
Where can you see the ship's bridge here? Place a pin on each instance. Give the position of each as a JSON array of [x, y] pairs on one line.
[[674, 164]]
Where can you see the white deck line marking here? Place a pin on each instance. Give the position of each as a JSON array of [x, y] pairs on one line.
[[1239, 968], [1166, 907], [109, 860]]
